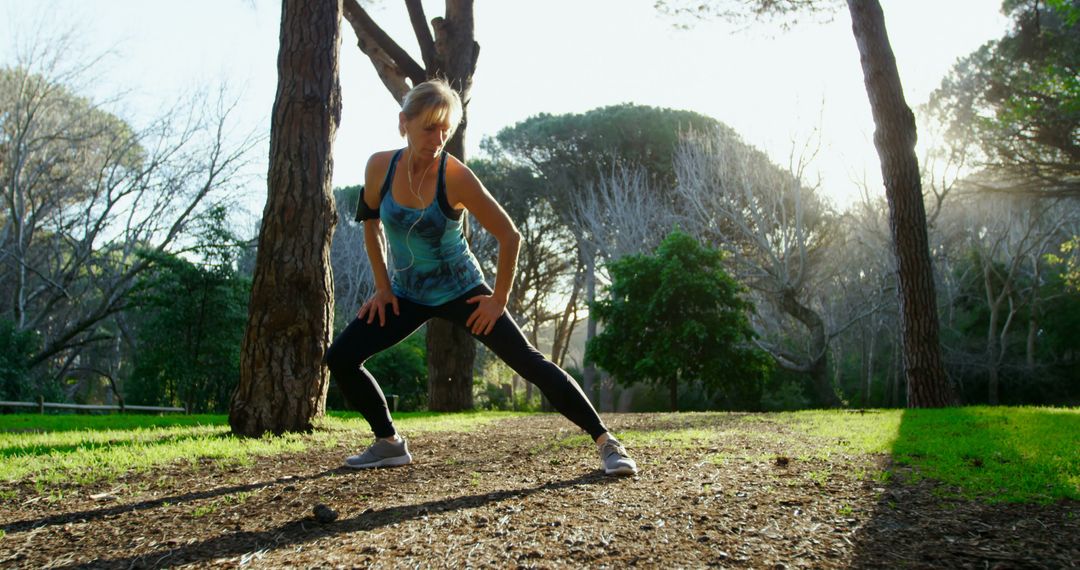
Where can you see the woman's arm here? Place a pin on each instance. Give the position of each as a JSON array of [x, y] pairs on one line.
[[375, 244], [467, 191]]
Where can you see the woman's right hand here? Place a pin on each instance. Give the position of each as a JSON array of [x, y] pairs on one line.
[[376, 304]]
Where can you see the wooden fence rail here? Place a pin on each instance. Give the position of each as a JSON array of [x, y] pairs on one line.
[[41, 405]]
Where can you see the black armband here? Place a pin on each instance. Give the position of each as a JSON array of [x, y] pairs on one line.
[[363, 211]]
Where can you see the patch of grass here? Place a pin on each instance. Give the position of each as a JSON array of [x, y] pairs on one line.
[[997, 453], [992, 453], [868, 431], [53, 449], [237, 498], [39, 423], [717, 458], [820, 476], [203, 510]]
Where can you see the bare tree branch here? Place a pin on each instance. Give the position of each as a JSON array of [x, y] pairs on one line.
[[393, 64], [423, 32]]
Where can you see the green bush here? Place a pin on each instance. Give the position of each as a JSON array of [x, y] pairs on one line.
[[191, 321], [16, 348]]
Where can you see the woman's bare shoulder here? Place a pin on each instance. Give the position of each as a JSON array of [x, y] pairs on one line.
[[380, 160], [457, 171]]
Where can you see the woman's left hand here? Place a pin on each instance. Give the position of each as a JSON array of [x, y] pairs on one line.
[[488, 310]]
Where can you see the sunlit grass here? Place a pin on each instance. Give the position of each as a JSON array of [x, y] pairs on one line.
[[81, 422], [1002, 454], [870, 431], [991, 453], [83, 449]]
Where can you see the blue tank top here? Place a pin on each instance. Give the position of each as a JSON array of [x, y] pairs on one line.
[[430, 261]]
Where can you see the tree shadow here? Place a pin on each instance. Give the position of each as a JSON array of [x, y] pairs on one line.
[[307, 530], [920, 521], [95, 514]]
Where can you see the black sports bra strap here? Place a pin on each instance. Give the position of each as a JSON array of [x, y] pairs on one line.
[[389, 182], [440, 191], [441, 187]]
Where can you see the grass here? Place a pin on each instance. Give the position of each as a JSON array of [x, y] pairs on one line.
[[1027, 454], [991, 453], [54, 449], [1008, 454]]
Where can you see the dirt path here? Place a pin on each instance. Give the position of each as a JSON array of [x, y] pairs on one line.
[[509, 496]]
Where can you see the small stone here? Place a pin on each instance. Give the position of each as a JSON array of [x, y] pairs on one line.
[[325, 514]]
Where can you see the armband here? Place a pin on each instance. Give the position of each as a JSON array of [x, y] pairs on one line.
[[363, 211]]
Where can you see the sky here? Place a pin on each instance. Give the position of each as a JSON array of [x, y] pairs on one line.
[[776, 88]]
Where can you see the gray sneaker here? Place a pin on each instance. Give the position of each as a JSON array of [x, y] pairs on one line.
[[382, 453], [615, 460]]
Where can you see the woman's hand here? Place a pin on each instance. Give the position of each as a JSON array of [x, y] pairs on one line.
[[376, 304], [488, 310]]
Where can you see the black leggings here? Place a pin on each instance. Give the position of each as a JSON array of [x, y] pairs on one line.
[[360, 340]]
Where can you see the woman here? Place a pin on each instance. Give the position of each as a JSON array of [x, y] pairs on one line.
[[414, 199]]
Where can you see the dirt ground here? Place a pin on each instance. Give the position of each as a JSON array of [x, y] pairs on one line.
[[508, 496]]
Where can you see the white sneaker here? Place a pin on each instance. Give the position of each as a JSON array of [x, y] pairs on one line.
[[615, 460], [382, 453]]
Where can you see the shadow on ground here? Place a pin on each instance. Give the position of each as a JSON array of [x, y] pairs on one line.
[[922, 523], [307, 531]]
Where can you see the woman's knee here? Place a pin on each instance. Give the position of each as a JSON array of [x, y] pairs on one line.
[[339, 358]]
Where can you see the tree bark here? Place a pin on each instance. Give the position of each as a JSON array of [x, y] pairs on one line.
[[673, 393], [451, 54], [819, 348], [1033, 314], [992, 357], [869, 366], [282, 380], [895, 138], [589, 373]]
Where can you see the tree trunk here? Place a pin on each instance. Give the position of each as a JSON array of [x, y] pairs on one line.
[[894, 138], [589, 379], [1033, 315], [819, 348], [282, 380], [838, 368], [673, 389], [994, 306], [894, 383], [869, 367], [607, 393], [450, 367], [564, 325]]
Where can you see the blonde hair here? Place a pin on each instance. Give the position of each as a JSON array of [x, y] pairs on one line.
[[435, 101]]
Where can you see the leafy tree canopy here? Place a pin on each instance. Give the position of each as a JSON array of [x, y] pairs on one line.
[[1018, 99], [676, 317], [575, 148]]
